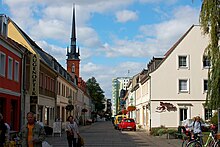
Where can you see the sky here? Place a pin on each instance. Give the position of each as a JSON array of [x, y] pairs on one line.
[[117, 38]]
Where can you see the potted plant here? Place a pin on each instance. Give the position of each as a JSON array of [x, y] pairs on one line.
[[131, 108]]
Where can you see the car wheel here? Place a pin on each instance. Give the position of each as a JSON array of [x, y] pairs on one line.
[[134, 129]]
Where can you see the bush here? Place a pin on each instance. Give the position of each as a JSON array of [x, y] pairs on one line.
[[214, 119], [154, 131], [171, 131], [162, 131]]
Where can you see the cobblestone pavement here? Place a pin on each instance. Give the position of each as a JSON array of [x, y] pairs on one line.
[[102, 134]]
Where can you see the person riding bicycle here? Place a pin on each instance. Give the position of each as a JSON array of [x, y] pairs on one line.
[[196, 126]]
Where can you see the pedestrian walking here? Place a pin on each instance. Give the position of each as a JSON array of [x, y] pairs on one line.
[[72, 132], [32, 134], [3, 131]]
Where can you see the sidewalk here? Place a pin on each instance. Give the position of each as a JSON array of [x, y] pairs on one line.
[[57, 141]]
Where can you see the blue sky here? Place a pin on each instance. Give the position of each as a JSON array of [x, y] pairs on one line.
[[114, 36]]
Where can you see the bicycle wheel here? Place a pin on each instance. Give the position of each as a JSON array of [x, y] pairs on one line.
[[217, 144], [194, 143], [184, 143]]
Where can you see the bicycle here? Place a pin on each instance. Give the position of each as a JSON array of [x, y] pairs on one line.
[[210, 142], [217, 143], [186, 136]]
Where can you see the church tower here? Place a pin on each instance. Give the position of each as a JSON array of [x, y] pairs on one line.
[[73, 60]]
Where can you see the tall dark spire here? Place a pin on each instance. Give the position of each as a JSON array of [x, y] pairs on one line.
[[73, 54]]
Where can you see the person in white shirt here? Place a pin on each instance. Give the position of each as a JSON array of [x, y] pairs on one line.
[[72, 132], [7, 134], [196, 126]]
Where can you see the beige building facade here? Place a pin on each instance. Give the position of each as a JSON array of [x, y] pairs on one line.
[[174, 87]]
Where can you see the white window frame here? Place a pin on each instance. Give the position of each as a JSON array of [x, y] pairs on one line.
[[3, 64], [187, 62], [16, 71], [181, 90], [10, 68]]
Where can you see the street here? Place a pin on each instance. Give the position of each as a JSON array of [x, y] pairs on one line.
[[102, 134]]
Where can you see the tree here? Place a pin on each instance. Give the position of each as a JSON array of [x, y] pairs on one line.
[[96, 93], [210, 23]]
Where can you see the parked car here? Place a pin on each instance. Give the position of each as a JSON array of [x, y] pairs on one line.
[[127, 123], [118, 120]]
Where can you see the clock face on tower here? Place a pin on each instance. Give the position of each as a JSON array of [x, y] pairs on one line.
[[73, 68]]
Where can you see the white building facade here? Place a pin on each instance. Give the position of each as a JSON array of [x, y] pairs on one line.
[[174, 89]]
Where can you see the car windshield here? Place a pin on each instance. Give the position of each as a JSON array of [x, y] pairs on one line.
[[129, 120], [119, 119]]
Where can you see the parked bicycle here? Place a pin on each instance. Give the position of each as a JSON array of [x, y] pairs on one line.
[[210, 142], [186, 136]]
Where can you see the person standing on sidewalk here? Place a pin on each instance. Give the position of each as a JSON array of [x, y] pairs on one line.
[[3, 131], [32, 134], [72, 132]]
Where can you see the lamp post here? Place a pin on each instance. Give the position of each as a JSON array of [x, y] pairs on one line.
[[84, 110]]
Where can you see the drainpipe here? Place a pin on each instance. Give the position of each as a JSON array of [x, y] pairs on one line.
[[23, 87]]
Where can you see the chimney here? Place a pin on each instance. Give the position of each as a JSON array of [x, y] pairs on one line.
[[3, 25]]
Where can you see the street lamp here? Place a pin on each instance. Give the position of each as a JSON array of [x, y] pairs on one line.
[[84, 110]]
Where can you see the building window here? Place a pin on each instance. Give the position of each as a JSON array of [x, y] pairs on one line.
[[16, 71], [10, 67], [183, 62], [183, 114], [208, 114], [41, 79], [58, 88], [183, 85], [206, 62], [2, 64], [205, 85], [45, 81]]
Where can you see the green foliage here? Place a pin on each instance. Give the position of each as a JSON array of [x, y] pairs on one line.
[[210, 21], [171, 131], [214, 119], [157, 130], [96, 93], [69, 107], [154, 131], [162, 131]]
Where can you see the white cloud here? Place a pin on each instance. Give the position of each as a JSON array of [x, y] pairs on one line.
[[126, 15], [50, 29], [105, 74], [88, 37], [158, 1], [168, 32], [128, 48], [55, 51]]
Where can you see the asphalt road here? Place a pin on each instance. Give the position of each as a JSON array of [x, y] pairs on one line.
[[103, 134]]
